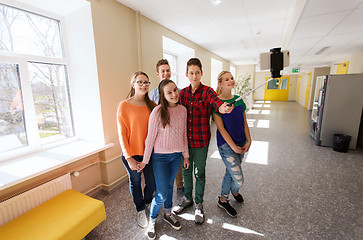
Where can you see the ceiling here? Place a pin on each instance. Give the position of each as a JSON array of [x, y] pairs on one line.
[[316, 32]]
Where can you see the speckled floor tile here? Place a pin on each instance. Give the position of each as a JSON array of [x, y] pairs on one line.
[[293, 189]]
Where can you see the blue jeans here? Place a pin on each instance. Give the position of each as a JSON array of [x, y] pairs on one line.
[[233, 178], [165, 167], [135, 183]]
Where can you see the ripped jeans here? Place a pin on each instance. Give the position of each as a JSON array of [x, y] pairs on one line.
[[233, 177]]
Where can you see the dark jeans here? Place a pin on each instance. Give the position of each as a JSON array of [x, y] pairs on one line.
[[139, 198]]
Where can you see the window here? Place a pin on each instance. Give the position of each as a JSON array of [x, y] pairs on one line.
[[12, 127], [177, 55], [273, 84], [35, 106], [283, 83], [216, 69], [233, 71], [172, 59]]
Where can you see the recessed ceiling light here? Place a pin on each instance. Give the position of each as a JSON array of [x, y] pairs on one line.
[[216, 2]]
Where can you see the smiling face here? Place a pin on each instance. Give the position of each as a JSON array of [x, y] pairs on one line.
[[227, 81], [164, 72], [141, 84], [171, 94]]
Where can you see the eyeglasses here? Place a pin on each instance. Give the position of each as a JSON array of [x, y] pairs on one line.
[[140, 83]]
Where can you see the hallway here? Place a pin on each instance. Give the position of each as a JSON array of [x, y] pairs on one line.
[[293, 189]]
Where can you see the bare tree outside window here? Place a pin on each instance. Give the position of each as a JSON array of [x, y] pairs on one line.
[[23, 34], [49, 86], [12, 128], [28, 33]]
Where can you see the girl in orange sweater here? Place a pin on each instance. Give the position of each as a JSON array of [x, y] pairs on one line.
[[132, 122]]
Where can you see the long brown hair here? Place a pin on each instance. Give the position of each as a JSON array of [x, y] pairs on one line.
[[220, 75], [164, 104], [131, 93]]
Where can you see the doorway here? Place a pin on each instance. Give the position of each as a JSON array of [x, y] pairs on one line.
[[277, 89]]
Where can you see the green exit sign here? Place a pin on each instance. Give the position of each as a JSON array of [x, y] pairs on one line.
[[295, 70]]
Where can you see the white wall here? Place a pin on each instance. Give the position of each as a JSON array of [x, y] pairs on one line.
[[294, 78], [355, 63], [302, 90], [245, 70]]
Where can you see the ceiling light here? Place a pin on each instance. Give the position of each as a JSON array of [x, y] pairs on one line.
[[321, 50], [216, 2]]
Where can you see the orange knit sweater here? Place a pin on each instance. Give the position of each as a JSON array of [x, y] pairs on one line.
[[132, 124]]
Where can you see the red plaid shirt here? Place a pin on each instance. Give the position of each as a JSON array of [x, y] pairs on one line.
[[199, 107]]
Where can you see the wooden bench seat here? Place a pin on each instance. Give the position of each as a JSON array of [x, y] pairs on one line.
[[70, 215]]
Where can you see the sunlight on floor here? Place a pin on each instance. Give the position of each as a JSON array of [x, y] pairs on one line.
[[166, 237], [216, 155], [190, 217], [240, 229], [210, 221], [263, 123], [258, 111], [250, 122], [258, 153], [253, 111], [187, 216]]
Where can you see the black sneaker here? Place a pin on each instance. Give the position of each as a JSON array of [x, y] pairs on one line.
[[226, 206], [172, 221], [151, 230], [238, 198], [183, 205]]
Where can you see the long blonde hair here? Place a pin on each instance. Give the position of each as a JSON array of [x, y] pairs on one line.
[[131, 93], [219, 78]]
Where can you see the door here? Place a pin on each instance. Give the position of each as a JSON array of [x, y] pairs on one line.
[[307, 93], [343, 68], [277, 89]]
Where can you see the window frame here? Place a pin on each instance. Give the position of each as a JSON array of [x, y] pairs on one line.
[[22, 60], [174, 72]]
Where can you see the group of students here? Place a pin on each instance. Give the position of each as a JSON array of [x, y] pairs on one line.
[[158, 140]]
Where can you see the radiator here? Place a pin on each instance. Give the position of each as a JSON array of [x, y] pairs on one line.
[[19, 204]]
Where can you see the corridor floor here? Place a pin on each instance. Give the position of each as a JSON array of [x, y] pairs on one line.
[[293, 189]]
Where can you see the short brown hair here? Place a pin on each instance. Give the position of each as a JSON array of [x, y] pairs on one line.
[[195, 62], [161, 62]]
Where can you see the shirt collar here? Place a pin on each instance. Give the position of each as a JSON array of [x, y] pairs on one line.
[[199, 89]]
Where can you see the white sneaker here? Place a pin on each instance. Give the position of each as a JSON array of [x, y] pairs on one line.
[[142, 219], [151, 230], [199, 214]]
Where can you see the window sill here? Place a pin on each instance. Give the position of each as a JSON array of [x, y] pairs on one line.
[[24, 168]]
